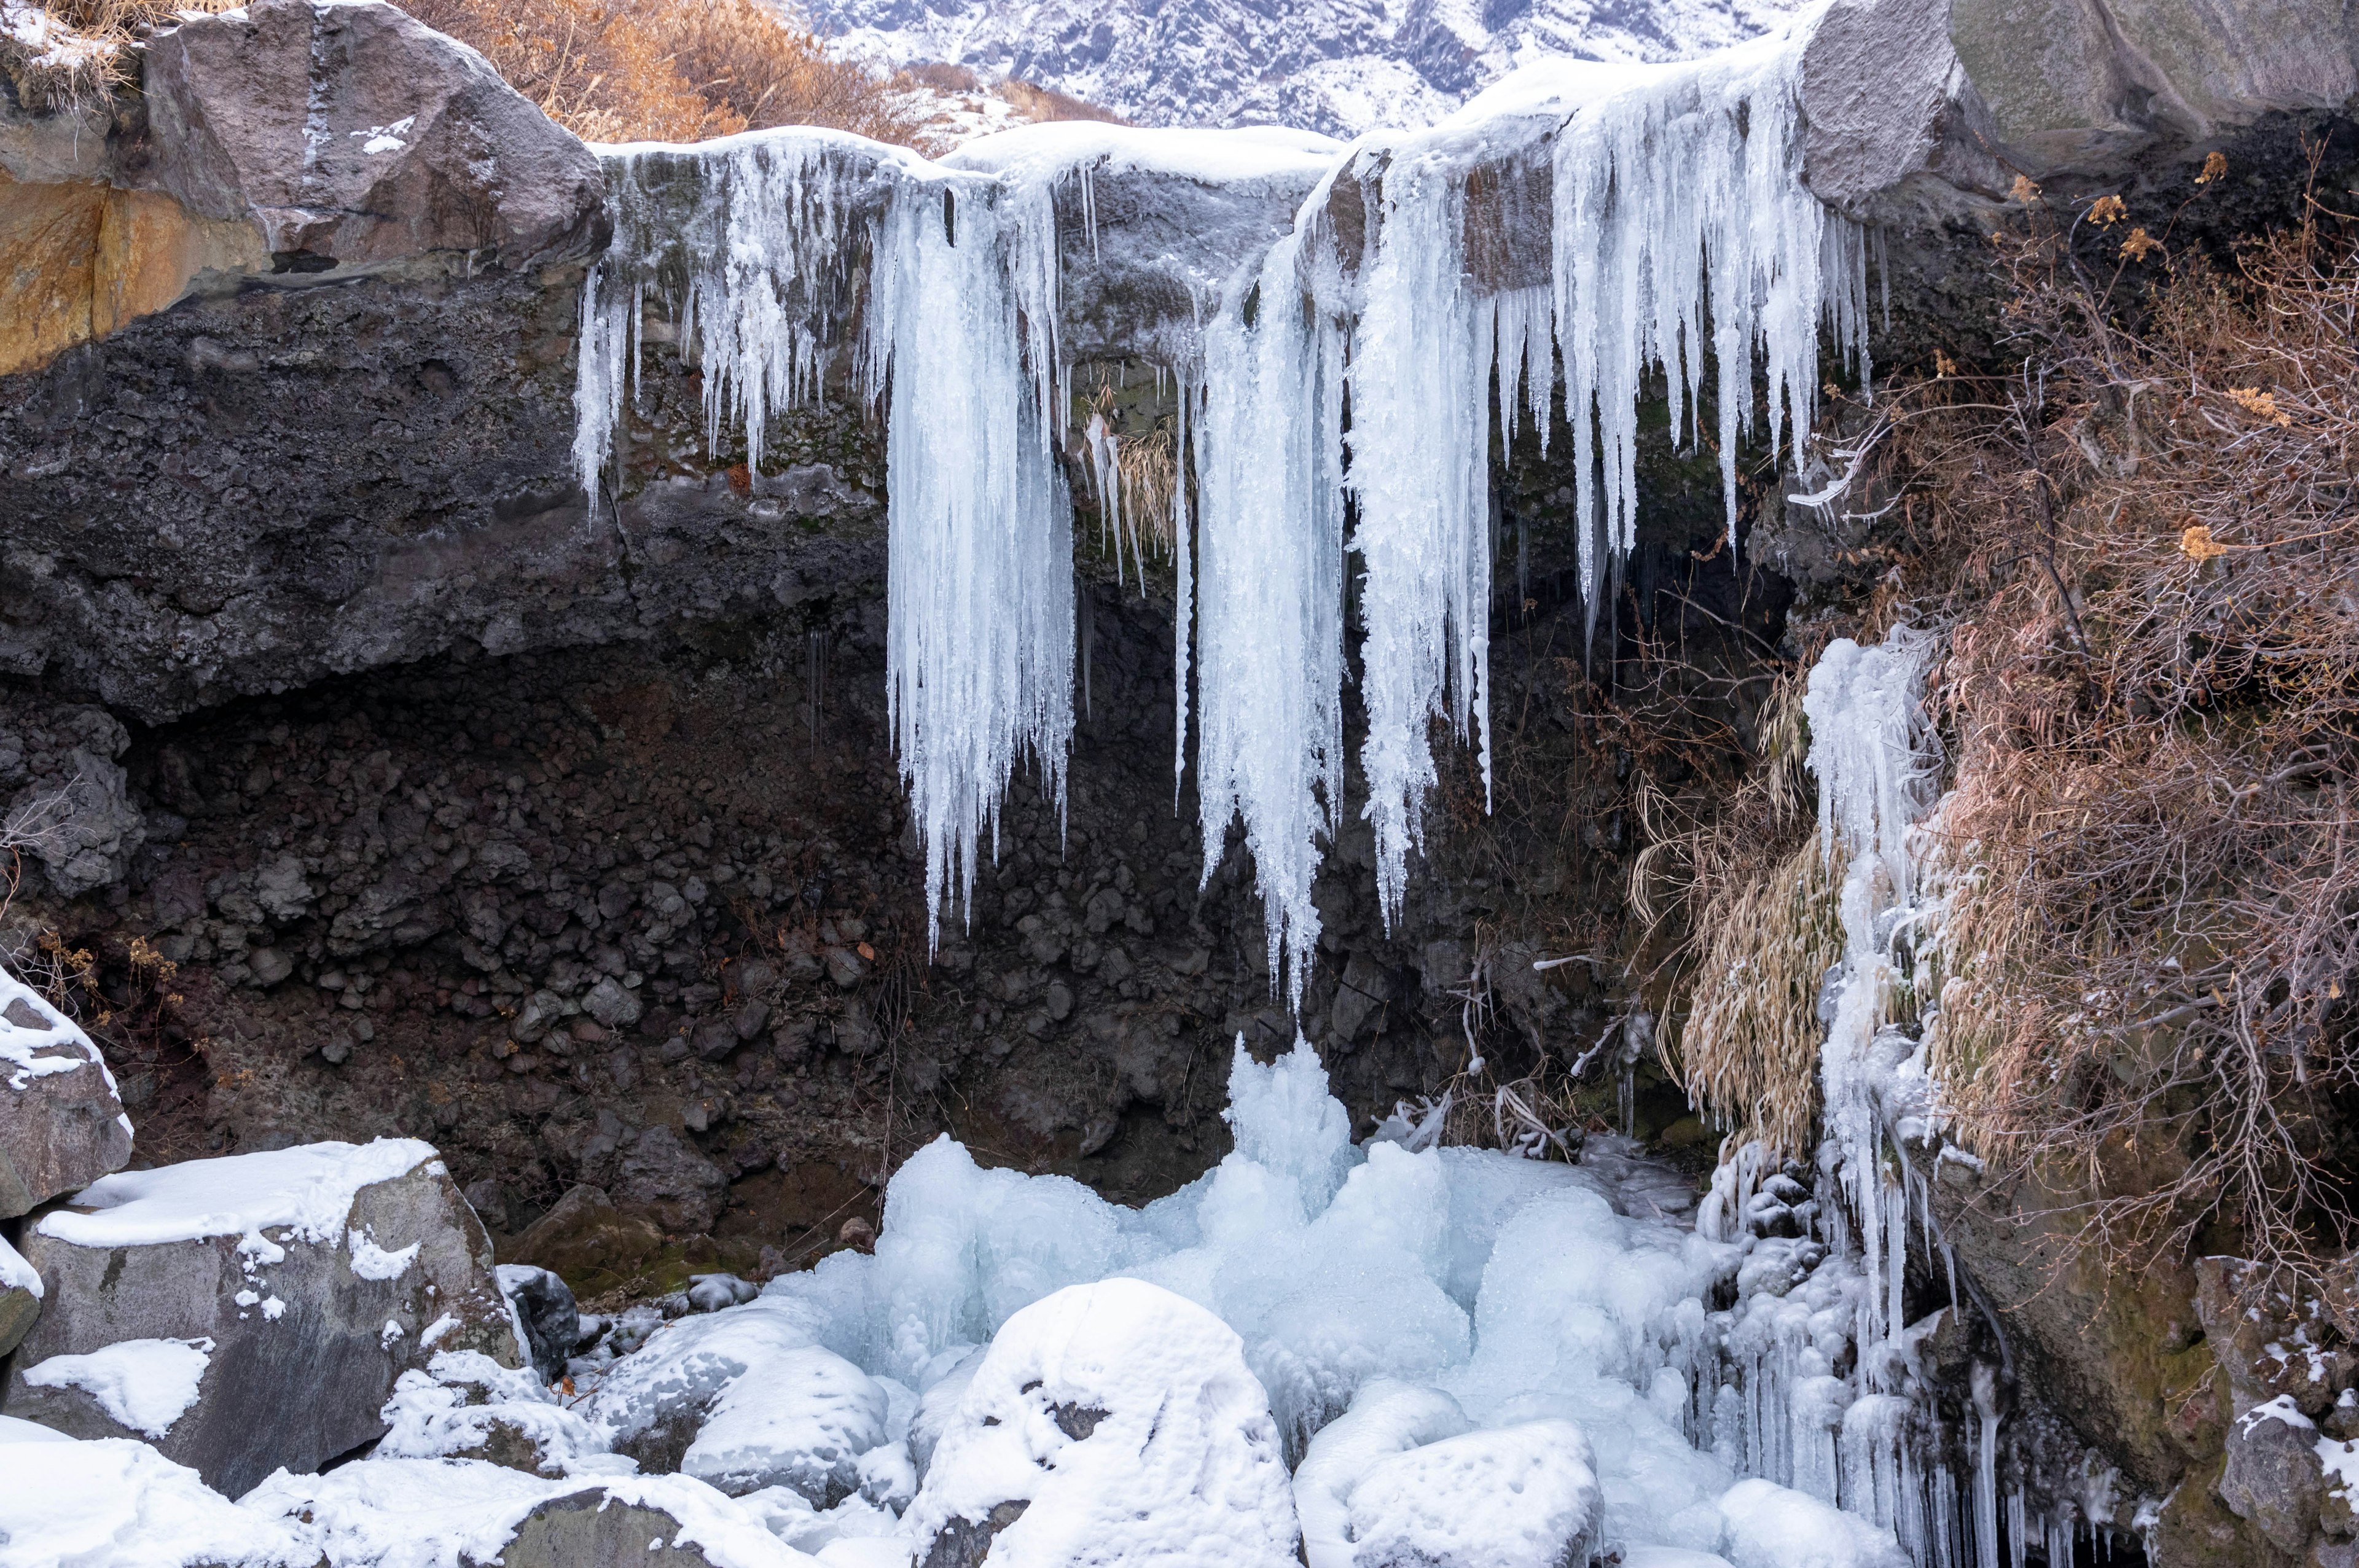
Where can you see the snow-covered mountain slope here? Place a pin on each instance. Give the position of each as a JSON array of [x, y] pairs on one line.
[[1338, 66]]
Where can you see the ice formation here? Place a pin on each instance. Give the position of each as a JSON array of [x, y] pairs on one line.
[[1674, 233]]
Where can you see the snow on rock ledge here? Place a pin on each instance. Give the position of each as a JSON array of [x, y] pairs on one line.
[[1109, 1424], [62, 1125], [313, 1276]]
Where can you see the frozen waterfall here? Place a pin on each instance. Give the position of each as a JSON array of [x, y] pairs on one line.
[[1667, 229]]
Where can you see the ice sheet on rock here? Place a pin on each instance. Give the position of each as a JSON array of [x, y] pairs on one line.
[[745, 1399], [1385, 1418], [307, 1190], [144, 1385], [35, 1039], [1512, 1497], [802, 1421], [17, 1274], [454, 1406], [118, 1502], [1061, 149], [1124, 1416], [1268, 587], [1770, 1525]]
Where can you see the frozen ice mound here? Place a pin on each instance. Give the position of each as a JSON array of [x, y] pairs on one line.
[[745, 1399], [1387, 1419], [1514, 1497], [1771, 1526], [1110, 1424]]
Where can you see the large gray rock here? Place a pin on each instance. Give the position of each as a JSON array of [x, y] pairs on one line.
[[20, 1296], [62, 1124], [307, 1281], [590, 1528], [66, 800], [351, 134], [663, 1176], [2273, 1479]]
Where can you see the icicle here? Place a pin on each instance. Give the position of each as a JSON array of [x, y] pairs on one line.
[[1984, 1379], [1183, 618], [1269, 587], [1421, 472], [1699, 163], [979, 664]]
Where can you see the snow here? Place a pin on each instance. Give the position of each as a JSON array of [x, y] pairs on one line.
[[120, 1503], [1514, 1497], [1124, 1416], [1772, 1527], [30, 1051], [1385, 1418], [143, 1384], [16, 1274], [1032, 153], [306, 1192], [14, 1429], [371, 1261], [1339, 65], [452, 1407]]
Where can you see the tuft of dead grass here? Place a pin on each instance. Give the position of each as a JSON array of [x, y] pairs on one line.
[[2153, 926], [1750, 901], [72, 52], [613, 71]]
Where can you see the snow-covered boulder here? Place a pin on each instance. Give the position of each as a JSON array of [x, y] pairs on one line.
[[255, 1312], [745, 1399], [1515, 1497], [62, 1126], [1386, 1418], [465, 1405], [1109, 1424]]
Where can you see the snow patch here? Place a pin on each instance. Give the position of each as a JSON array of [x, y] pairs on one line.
[[306, 1192], [143, 1384]]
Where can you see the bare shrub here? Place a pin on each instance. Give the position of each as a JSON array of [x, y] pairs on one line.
[[75, 51], [2154, 690]]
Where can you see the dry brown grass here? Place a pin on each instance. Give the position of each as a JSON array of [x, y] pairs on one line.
[[1748, 905], [615, 70], [82, 58], [2154, 690]]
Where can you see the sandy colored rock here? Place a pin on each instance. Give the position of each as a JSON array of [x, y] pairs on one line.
[[62, 1124], [587, 1241], [76, 261]]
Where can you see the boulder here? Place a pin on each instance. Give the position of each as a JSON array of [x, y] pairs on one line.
[[1515, 1497], [546, 1311], [745, 1399], [20, 1296], [352, 136], [2273, 1479], [587, 1240], [1103, 1422], [275, 1298], [590, 1528], [663, 1175], [1386, 1418], [62, 1124]]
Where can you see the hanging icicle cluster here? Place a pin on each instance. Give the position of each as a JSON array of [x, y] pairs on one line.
[[1681, 238]]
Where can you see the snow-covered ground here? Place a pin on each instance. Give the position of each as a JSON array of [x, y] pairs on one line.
[[1452, 1352]]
